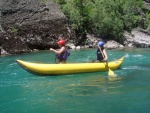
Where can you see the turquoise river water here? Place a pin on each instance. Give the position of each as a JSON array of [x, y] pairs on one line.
[[129, 92]]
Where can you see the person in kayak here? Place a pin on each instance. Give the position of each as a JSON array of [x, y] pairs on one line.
[[62, 53], [101, 52]]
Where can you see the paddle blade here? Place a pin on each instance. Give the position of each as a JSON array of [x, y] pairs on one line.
[[111, 73]]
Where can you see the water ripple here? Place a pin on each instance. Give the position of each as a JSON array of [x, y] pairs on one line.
[[135, 68]]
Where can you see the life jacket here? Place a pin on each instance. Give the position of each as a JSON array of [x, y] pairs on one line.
[[64, 55], [99, 54]]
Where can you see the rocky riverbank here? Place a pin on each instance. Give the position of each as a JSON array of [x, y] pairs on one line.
[[28, 25]]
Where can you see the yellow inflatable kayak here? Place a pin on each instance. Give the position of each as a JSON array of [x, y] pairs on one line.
[[58, 69]]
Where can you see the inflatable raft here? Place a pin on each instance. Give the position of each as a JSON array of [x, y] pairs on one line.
[[58, 69]]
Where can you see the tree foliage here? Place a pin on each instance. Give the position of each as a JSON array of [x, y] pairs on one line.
[[78, 13], [108, 18], [113, 17]]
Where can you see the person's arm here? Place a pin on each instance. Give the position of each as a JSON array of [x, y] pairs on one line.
[[105, 54], [58, 52]]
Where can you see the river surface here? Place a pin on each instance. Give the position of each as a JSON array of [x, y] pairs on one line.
[[129, 92]]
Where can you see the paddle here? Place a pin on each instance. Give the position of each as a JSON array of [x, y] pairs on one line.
[[110, 72], [56, 61]]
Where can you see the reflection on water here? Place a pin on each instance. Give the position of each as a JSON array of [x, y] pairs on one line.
[[117, 78], [90, 86]]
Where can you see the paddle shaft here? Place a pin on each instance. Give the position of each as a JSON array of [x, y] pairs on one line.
[[101, 52], [110, 72], [55, 58], [103, 56]]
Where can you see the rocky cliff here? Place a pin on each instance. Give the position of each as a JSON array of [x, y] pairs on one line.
[[30, 24]]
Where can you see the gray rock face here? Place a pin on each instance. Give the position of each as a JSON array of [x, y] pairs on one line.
[[30, 24], [111, 44], [23, 12], [137, 38]]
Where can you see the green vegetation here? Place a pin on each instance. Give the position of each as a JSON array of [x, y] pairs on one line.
[[147, 21], [109, 18], [78, 13], [14, 30], [113, 17]]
